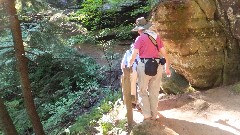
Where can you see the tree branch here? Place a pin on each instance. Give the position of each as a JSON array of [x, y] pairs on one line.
[[4, 47], [32, 53]]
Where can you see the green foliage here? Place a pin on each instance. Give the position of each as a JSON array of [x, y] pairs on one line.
[[190, 89], [106, 126], [109, 55], [98, 14], [107, 20], [90, 14], [71, 83], [60, 86], [86, 122], [61, 110], [104, 32], [176, 84], [82, 39], [140, 10], [113, 127], [105, 107], [110, 123], [19, 115], [236, 88], [6, 45], [9, 82], [119, 33], [31, 6], [64, 84], [62, 80], [124, 32], [122, 124]]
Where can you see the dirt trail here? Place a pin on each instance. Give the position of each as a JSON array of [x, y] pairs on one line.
[[212, 112], [97, 53]]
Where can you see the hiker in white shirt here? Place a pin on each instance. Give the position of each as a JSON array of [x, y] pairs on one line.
[[124, 64]]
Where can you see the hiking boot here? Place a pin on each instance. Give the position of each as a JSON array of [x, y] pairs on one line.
[[154, 117], [133, 105], [136, 106], [147, 119]]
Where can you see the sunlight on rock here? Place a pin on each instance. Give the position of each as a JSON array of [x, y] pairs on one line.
[[204, 31]]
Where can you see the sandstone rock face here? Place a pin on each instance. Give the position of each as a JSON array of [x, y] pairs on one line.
[[202, 38]]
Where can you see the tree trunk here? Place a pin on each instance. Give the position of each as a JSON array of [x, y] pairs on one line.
[[6, 121], [22, 68]]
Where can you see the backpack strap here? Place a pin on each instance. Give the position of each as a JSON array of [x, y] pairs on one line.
[[152, 40]]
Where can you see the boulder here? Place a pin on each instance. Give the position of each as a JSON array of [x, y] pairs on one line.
[[201, 39]]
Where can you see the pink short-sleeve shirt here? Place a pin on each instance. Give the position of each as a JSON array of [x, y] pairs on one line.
[[146, 48]]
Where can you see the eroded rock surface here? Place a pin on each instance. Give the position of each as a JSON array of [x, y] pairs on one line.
[[202, 38]]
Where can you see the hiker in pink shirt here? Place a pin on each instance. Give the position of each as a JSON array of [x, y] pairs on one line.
[[150, 48]]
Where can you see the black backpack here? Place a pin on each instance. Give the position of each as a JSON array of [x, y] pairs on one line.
[[151, 67]]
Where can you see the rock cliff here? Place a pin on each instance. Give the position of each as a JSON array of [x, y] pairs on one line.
[[202, 38]]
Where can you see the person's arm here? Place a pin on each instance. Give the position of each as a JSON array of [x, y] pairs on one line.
[[124, 60], [133, 56], [167, 65], [163, 53]]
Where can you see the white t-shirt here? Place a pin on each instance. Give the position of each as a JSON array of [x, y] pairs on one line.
[[127, 57]]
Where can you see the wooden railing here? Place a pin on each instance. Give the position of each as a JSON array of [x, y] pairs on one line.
[[126, 87]]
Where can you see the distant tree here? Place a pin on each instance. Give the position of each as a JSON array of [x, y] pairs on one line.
[[33, 6], [22, 67], [6, 123]]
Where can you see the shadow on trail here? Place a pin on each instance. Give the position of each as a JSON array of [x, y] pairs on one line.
[[224, 122], [183, 127], [177, 102]]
